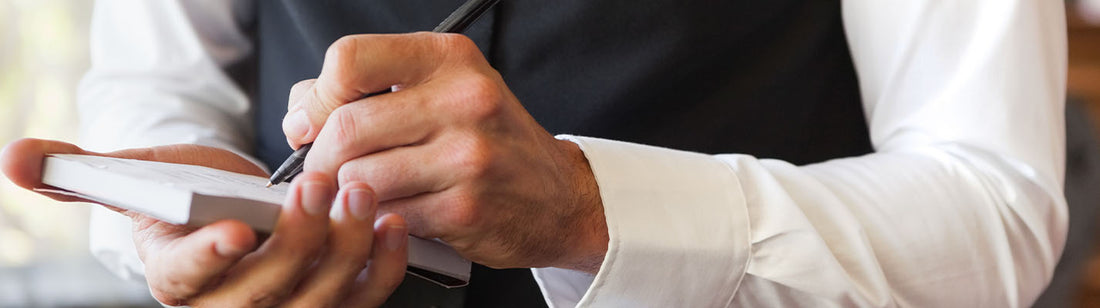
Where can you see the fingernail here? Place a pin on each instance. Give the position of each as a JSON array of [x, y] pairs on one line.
[[296, 126], [396, 237], [360, 203], [315, 198], [228, 250]]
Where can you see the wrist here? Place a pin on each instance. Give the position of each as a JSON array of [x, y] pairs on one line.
[[587, 244]]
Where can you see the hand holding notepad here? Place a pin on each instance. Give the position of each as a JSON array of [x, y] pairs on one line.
[[196, 196], [154, 193]]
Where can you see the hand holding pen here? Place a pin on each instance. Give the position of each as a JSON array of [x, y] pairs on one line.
[[457, 22], [453, 151]]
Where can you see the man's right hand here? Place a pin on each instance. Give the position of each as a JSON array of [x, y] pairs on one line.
[[315, 257]]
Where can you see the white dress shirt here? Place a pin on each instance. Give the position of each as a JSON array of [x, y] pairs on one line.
[[960, 205]]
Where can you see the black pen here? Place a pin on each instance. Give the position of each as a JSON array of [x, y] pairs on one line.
[[457, 22]]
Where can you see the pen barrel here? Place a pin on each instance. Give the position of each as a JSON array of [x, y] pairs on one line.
[[302, 151], [464, 16], [292, 166]]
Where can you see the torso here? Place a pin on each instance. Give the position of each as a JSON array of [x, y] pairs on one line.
[[768, 78]]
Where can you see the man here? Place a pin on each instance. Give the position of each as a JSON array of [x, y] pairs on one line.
[[950, 194]]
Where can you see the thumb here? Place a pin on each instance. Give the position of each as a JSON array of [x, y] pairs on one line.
[[21, 160], [306, 113], [308, 109]]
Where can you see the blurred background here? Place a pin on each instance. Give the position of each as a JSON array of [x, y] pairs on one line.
[[44, 260]]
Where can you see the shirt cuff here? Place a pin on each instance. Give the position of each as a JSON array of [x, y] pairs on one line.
[[678, 229]]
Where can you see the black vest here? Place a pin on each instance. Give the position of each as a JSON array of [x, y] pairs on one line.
[[770, 78]]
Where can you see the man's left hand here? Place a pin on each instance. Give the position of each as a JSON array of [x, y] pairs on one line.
[[451, 149]]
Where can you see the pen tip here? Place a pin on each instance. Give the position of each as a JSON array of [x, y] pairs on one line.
[[268, 185]]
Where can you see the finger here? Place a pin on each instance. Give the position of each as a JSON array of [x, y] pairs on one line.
[[431, 215], [297, 92], [296, 121], [189, 154], [21, 160], [448, 216], [389, 258], [371, 125], [180, 267], [270, 274], [363, 64], [402, 172], [348, 249]]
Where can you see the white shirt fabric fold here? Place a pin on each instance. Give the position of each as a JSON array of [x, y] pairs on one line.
[[960, 205], [157, 79]]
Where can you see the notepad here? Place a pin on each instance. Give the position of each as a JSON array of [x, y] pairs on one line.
[[196, 196]]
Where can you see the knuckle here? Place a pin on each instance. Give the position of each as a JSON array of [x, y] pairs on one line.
[[309, 303], [180, 289], [462, 212], [349, 255], [354, 257], [167, 298], [481, 96], [340, 64], [169, 289], [458, 49], [474, 158], [363, 171], [391, 281], [348, 173], [341, 50], [301, 87], [267, 297], [379, 176], [456, 44], [298, 91], [344, 125]]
